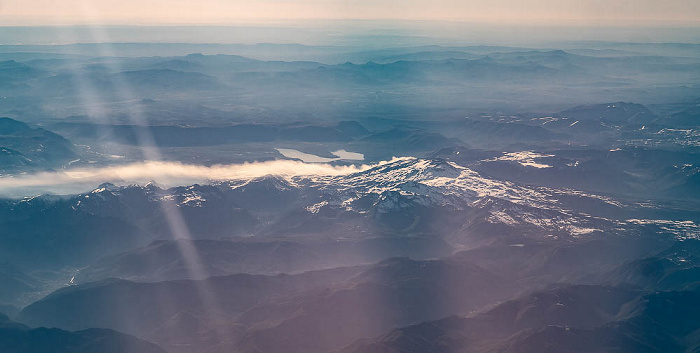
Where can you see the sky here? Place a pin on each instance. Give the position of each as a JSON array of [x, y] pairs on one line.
[[161, 12]]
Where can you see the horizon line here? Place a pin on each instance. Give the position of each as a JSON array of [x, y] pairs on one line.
[[264, 22]]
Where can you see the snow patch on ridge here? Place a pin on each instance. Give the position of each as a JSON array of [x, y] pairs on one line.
[[524, 158]]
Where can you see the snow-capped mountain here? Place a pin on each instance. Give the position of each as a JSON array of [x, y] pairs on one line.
[[399, 193]]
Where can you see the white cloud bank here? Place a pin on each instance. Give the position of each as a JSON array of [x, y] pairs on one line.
[[76, 180]]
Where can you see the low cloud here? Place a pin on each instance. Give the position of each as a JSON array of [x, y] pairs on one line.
[[77, 180]]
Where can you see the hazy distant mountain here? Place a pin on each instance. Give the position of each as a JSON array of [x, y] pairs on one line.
[[127, 83], [164, 260], [16, 283], [495, 134], [425, 55], [409, 140], [22, 146], [412, 72], [168, 136], [686, 118], [14, 71], [611, 113], [169, 79]]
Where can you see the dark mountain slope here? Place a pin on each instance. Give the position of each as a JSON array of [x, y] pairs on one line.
[[18, 338], [564, 319]]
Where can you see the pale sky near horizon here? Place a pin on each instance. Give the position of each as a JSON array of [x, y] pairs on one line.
[[609, 12]]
